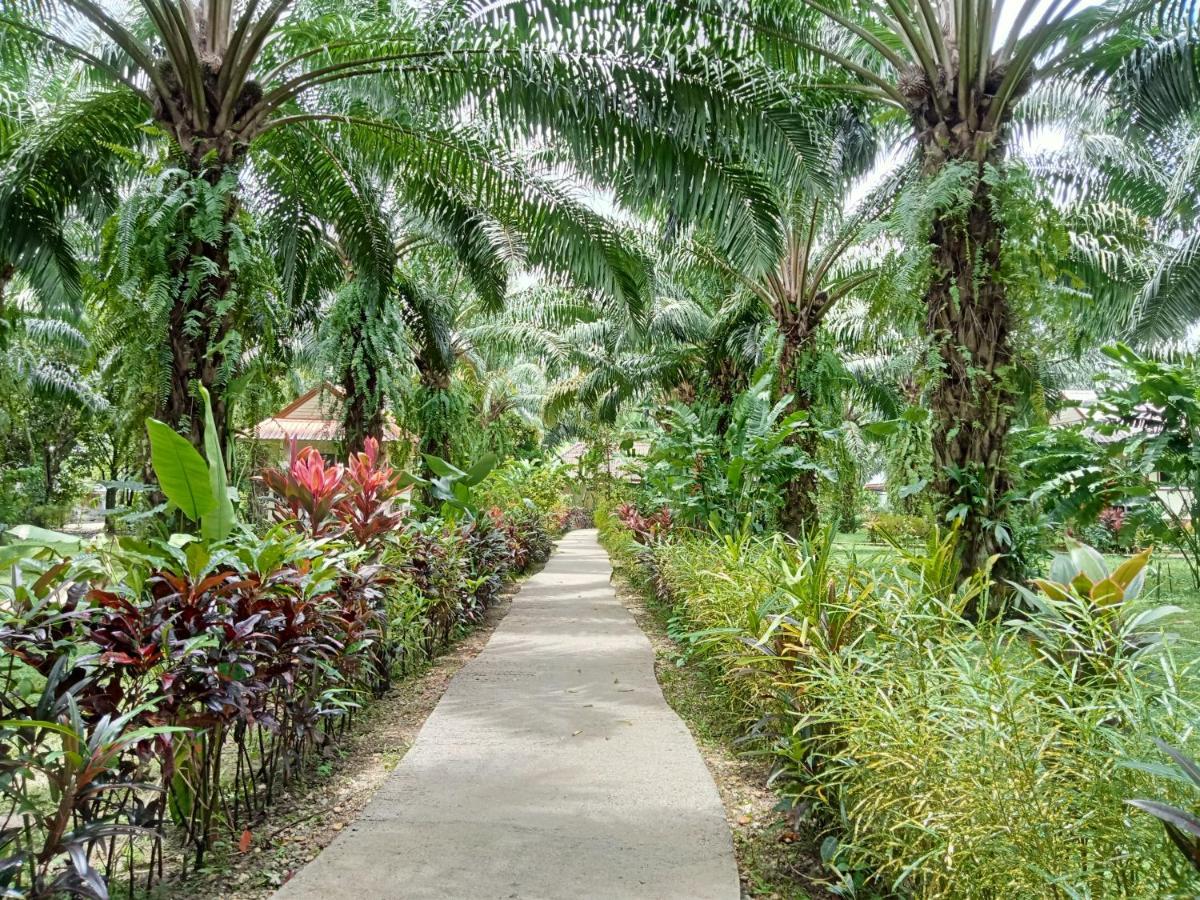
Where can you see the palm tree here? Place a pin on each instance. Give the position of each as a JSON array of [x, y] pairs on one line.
[[958, 81], [43, 363], [693, 336], [221, 79], [379, 216], [1161, 85], [54, 190], [822, 264]]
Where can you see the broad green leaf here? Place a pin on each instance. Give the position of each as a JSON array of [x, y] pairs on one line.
[[217, 524], [884, 428], [440, 467], [733, 472], [1088, 561], [197, 557], [55, 540], [480, 470], [182, 474]]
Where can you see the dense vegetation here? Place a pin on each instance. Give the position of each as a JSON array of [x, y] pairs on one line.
[[868, 323]]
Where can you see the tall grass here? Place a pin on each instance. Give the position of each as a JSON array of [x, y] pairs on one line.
[[942, 758]]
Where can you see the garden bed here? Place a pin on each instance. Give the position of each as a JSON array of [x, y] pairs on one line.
[[307, 818]]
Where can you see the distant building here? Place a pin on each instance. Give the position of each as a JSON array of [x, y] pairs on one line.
[[314, 420], [1074, 410]]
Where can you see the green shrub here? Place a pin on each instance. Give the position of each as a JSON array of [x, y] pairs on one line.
[[17, 488], [898, 527], [725, 466], [522, 485], [49, 515], [942, 758]]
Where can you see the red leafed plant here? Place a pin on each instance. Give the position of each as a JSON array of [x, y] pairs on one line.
[[646, 529], [1112, 518], [368, 507], [323, 500], [307, 492]]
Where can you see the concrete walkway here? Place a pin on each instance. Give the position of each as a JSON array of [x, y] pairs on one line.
[[551, 768]]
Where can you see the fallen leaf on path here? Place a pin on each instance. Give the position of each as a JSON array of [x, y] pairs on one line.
[[244, 842]]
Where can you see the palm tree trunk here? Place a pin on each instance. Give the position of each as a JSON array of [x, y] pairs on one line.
[[799, 514], [201, 320], [363, 412], [847, 489], [435, 433], [726, 381], [435, 439], [361, 419], [969, 321], [364, 354]]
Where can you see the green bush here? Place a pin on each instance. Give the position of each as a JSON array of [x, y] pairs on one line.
[[49, 515], [727, 472], [523, 485], [898, 527], [17, 488]]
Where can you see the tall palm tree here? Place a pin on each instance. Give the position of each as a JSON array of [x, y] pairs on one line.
[[35, 235], [44, 361], [221, 78], [958, 81], [693, 337], [823, 263], [1161, 85]]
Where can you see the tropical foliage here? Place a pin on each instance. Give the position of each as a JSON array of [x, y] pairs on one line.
[[860, 324], [140, 672]]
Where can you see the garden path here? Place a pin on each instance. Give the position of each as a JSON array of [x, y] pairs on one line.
[[551, 768]]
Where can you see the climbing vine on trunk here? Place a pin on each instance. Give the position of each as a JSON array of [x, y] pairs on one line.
[[178, 252], [969, 319]]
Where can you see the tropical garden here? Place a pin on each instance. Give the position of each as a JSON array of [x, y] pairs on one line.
[[870, 328]]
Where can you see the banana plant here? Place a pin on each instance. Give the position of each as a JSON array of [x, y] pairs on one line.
[[450, 486], [196, 487]]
